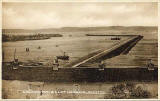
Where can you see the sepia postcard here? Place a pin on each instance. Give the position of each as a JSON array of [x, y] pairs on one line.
[[79, 50]]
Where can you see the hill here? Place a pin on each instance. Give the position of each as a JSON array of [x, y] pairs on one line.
[[79, 29]]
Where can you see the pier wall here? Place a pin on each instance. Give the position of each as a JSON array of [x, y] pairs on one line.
[[80, 74]]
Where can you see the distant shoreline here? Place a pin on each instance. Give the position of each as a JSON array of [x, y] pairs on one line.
[[13, 38], [75, 29]]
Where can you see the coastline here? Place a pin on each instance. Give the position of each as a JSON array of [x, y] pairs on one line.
[[13, 38]]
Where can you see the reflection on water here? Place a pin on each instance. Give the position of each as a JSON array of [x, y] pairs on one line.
[[77, 47]]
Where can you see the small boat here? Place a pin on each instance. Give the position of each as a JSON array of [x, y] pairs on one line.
[[64, 57], [39, 47], [116, 38], [57, 45]]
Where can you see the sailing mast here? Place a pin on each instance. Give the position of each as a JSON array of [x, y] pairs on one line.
[[15, 54]]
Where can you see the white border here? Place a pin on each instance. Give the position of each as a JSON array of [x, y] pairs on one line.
[[1, 1]]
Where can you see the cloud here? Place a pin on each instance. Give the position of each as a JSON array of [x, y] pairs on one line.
[[53, 15]]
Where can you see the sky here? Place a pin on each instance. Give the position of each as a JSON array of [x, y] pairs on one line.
[[37, 15]]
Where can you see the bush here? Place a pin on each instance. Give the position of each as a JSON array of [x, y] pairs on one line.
[[140, 93], [127, 91]]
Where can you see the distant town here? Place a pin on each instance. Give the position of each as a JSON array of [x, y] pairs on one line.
[[6, 38]]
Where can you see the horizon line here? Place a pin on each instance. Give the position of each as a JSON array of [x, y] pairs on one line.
[[78, 27]]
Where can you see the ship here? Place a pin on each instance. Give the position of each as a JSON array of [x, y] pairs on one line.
[[81, 70]]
